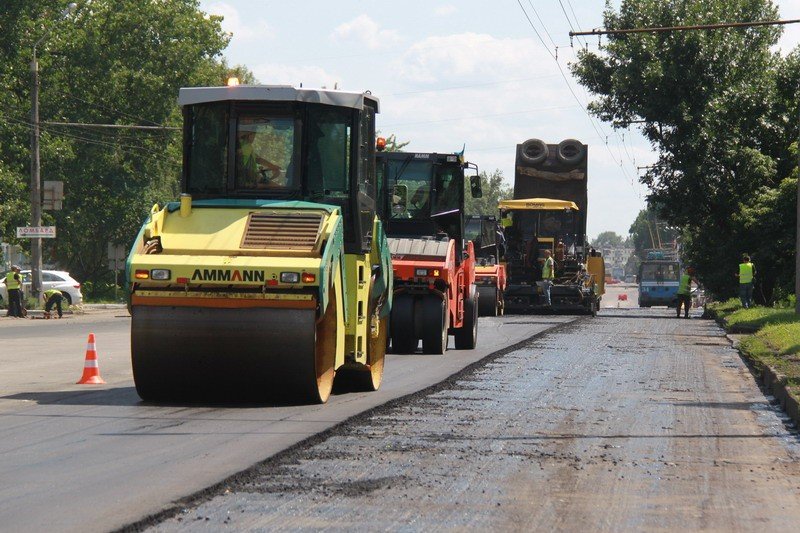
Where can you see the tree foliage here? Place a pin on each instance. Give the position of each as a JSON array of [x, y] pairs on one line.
[[111, 62], [720, 109], [494, 189], [649, 231], [608, 239]]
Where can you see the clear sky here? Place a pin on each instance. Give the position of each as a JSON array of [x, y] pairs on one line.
[[450, 73]]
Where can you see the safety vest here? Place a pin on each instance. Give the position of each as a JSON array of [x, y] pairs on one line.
[[746, 271], [49, 294], [547, 269], [11, 281], [685, 286], [506, 222]]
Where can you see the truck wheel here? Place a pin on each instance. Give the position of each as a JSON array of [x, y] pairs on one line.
[[434, 323], [533, 151], [488, 301], [402, 325], [466, 336], [570, 151]]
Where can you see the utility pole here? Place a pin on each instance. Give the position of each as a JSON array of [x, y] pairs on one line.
[[797, 230], [36, 179], [36, 182]]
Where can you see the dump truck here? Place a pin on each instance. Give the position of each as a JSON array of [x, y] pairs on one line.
[[548, 212], [490, 273], [434, 265], [271, 276]]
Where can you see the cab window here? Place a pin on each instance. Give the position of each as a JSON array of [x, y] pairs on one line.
[[264, 153]]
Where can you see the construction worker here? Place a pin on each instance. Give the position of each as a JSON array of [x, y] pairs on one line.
[[548, 275], [747, 271], [685, 292], [52, 297], [13, 283]]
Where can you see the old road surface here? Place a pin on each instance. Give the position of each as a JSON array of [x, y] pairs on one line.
[[95, 458], [634, 420]]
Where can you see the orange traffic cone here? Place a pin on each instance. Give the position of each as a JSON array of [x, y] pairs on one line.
[[91, 371]]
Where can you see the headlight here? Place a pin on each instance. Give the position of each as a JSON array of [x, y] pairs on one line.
[[160, 274], [290, 277]]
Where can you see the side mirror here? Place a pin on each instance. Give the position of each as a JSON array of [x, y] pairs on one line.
[[399, 199], [475, 186]]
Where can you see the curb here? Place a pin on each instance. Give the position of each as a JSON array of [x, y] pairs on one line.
[[776, 384], [771, 381]]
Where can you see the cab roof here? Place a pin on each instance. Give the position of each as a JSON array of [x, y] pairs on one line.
[[540, 204], [273, 93]]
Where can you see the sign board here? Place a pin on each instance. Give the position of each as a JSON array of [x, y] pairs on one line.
[[117, 255], [53, 195], [32, 232]]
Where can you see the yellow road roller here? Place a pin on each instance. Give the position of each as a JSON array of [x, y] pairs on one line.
[[271, 276]]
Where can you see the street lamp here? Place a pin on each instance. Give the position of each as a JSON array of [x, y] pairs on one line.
[[36, 184]]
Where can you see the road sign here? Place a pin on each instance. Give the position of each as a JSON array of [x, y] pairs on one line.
[[53, 195], [117, 255], [32, 232]]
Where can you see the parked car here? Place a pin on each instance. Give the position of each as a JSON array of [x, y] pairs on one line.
[[51, 279]]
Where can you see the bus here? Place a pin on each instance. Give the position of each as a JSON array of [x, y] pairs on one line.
[[659, 277]]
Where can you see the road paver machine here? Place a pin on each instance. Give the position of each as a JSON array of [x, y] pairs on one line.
[[548, 212], [434, 265], [272, 274]]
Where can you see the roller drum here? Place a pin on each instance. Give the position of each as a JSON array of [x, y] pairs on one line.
[[194, 353], [487, 301]]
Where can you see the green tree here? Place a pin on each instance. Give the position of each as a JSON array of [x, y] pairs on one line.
[[649, 231], [719, 108], [494, 189], [608, 239], [393, 145], [113, 62]]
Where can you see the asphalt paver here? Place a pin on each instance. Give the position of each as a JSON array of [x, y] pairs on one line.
[[634, 420]]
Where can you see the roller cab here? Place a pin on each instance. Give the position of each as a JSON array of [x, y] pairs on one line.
[[434, 265], [270, 277], [490, 272]]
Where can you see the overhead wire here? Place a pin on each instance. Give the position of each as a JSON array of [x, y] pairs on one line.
[[456, 119], [633, 179], [603, 138], [132, 150]]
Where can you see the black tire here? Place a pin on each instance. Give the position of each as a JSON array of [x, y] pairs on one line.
[[488, 301], [570, 151], [534, 151], [67, 298], [466, 336], [402, 325], [434, 325]]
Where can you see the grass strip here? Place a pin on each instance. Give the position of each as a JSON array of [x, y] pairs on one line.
[[773, 337]]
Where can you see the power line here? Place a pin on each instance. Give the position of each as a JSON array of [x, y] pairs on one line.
[[620, 137], [458, 87], [662, 29], [603, 138], [474, 117], [543, 24], [113, 126]]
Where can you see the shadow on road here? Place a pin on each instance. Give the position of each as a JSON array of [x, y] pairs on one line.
[[118, 396], [128, 396]]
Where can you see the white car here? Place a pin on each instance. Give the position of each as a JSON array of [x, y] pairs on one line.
[[51, 279]]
